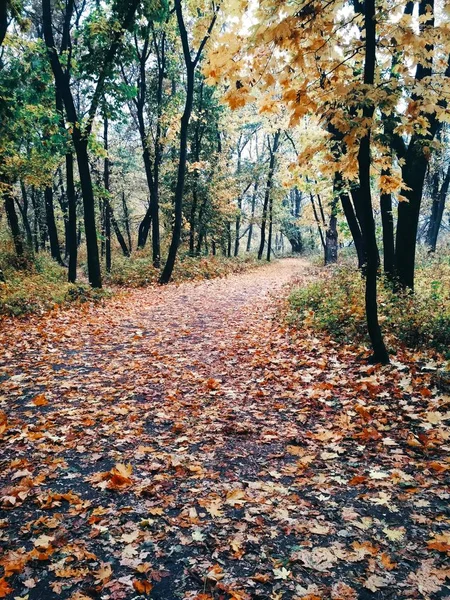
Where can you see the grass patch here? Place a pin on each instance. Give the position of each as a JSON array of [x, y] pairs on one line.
[[335, 304], [138, 270], [38, 286]]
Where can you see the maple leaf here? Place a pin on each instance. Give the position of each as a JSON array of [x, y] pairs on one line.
[[395, 534], [103, 573], [236, 497], [142, 586], [440, 542], [215, 574], [40, 400], [282, 573], [375, 582], [5, 588]]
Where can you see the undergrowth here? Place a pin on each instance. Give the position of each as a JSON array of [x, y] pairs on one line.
[[37, 283], [138, 270], [335, 304]]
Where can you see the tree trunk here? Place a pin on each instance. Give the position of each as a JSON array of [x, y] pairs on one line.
[[318, 221], [81, 149], [415, 162], [13, 222], [252, 216], [35, 220], [387, 219], [106, 201], [126, 217], [437, 211], [182, 155], [331, 233], [72, 220], [51, 225], [353, 225], [24, 214], [380, 354], [273, 152], [269, 239]]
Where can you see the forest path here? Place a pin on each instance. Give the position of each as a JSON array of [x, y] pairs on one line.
[[181, 442]]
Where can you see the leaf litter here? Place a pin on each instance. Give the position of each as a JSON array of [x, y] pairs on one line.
[[183, 442]]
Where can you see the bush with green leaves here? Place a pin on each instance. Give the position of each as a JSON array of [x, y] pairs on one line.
[[335, 304]]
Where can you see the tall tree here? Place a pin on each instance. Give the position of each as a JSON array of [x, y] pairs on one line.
[[190, 66], [122, 20], [380, 354]]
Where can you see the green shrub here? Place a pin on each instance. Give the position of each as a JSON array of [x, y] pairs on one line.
[[335, 304]]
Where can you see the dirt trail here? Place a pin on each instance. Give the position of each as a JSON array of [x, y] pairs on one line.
[[179, 442]]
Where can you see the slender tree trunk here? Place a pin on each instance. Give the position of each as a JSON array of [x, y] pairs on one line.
[[81, 149], [273, 153], [178, 201], [35, 220], [126, 217], [269, 239], [51, 225], [387, 220], [318, 221], [72, 219], [24, 214], [437, 211], [380, 354], [13, 222], [352, 221], [106, 201], [252, 216], [331, 233], [228, 239]]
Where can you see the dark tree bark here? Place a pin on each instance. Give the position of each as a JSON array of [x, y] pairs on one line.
[[331, 233], [319, 222], [269, 237], [110, 219], [352, 221], [228, 239], [387, 220], [151, 218], [126, 218], [415, 157], [55, 250], [79, 135], [24, 213], [190, 64], [273, 152], [35, 220], [252, 216], [72, 219], [13, 222], [107, 211], [3, 20], [437, 211], [380, 354]]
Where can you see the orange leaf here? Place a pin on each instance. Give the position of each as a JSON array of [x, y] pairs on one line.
[[5, 588], [40, 400], [142, 587], [387, 562], [357, 479]]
